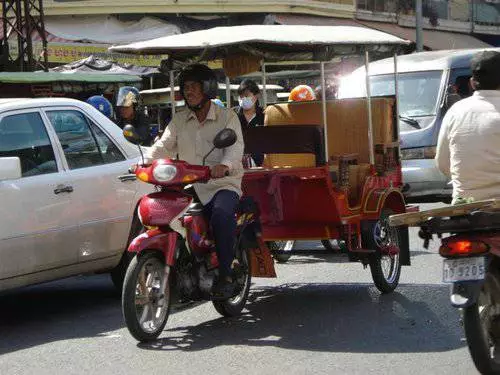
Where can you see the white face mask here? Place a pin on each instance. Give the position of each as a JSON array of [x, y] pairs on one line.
[[246, 102]]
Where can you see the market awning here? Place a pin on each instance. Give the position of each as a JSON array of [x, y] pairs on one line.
[[93, 64], [43, 77], [272, 42], [301, 19], [432, 39], [108, 29]]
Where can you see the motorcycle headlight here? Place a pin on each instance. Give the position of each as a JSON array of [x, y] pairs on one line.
[[164, 173]]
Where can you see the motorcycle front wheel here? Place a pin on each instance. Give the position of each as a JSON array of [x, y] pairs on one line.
[[480, 321], [146, 296], [233, 306]]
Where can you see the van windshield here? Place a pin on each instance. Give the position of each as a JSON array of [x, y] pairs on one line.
[[418, 91]]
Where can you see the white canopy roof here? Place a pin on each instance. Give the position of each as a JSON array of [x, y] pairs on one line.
[[275, 42], [222, 86]]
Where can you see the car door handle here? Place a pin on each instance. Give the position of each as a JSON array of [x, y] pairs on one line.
[[63, 189], [127, 177]]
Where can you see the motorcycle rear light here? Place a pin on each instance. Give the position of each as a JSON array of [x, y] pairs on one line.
[[459, 248]]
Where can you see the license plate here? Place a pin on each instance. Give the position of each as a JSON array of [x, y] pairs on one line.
[[463, 269]]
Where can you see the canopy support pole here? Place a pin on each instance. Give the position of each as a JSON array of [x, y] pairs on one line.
[[264, 91], [323, 105], [369, 108], [228, 92], [396, 91], [172, 91]]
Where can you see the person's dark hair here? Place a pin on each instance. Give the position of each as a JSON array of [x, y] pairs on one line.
[[485, 70], [248, 84]]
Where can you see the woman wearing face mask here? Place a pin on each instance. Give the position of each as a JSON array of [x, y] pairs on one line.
[[249, 111]]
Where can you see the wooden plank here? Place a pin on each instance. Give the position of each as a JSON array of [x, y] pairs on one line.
[[416, 218]]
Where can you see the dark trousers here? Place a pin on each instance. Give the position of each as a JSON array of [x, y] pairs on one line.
[[222, 213]]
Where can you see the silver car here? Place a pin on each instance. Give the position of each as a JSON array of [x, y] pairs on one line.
[[67, 198]]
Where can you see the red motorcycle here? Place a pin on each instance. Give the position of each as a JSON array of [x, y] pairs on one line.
[[177, 252], [471, 264]]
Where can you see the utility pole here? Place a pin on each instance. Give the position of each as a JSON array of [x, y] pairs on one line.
[[419, 25], [22, 20], [471, 16]]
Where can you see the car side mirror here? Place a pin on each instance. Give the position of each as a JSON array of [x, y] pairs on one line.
[[225, 138], [130, 133], [10, 168]]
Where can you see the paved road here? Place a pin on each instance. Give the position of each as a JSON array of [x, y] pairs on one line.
[[316, 318]]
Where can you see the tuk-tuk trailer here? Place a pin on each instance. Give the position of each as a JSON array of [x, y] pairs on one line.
[[332, 168]]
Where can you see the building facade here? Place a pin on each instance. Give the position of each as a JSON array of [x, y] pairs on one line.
[[79, 28]]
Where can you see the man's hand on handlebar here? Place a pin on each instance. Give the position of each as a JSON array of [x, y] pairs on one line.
[[219, 171]]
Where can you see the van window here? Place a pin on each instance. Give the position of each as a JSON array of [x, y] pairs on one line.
[[418, 92], [460, 82]]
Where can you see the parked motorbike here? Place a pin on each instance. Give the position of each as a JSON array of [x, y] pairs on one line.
[[471, 264], [176, 255]]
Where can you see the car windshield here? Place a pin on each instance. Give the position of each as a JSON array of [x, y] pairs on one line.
[[418, 91]]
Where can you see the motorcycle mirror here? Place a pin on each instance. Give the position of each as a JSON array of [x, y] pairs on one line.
[[225, 138], [130, 133]]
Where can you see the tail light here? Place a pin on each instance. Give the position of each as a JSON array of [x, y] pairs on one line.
[[462, 248]]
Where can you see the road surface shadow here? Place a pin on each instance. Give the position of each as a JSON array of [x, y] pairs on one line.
[[331, 318], [65, 309], [82, 306]]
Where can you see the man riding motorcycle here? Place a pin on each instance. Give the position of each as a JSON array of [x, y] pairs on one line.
[[468, 149], [189, 136], [128, 104]]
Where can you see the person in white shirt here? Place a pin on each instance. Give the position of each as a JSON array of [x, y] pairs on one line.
[[468, 149], [190, 136]]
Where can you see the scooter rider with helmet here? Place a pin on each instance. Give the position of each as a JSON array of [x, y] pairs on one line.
[[190, 136], [102, 104], [128, 103]]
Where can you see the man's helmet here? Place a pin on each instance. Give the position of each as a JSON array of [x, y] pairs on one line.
[[301, 93], [203, 74], [128, 96], [102, 105]]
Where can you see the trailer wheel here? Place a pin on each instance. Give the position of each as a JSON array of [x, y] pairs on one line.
[[385, 267], [281, 250]]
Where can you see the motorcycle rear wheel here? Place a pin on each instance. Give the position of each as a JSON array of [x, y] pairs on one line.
[[477, 326], [146, 296], [234, 306]]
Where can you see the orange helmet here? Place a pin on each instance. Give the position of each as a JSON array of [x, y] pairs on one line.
[[301, 93]]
